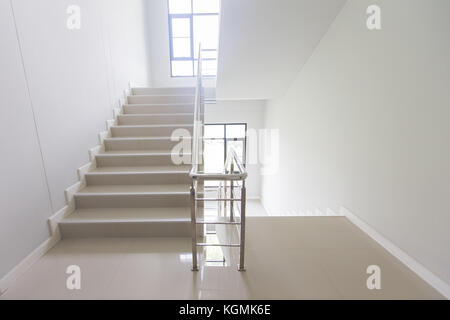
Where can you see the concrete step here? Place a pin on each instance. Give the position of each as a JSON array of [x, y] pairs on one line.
[[155, 119], [160, 99], [149, 130], [127, 222], [158, 108], [138, 158], [164, 91], [133, 196], [147, 143], [139, 175]]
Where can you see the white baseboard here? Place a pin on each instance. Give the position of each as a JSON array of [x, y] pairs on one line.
[[26, 263], [407, 260], [53, 221]]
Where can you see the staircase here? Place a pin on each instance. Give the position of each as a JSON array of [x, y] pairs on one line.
[[134, 189]]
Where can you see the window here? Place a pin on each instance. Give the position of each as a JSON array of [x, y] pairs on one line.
[[192, 22], [219, 139]]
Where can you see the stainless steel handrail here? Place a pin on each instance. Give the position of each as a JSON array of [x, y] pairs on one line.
[[229, 175]]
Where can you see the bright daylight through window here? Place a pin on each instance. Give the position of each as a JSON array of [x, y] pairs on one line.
[[192, 22], [219, 139]]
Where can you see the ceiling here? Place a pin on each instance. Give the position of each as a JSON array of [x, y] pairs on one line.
[[265, 43]]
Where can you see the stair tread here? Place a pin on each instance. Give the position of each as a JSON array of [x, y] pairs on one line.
[[135, 189], [101, 215], [137, 152], [161, 138], [149, 169], [163, 95], [152, 125], [158, 104], [154, 114]]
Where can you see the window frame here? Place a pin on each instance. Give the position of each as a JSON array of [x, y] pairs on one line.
[[192, 58], [225, 139]]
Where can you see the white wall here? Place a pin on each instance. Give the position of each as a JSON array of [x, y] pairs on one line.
[[264, 43], [158, 24], [24, 198], [74, 79], [366, 125], [250, 112]]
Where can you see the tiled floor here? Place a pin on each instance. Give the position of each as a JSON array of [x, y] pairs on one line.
[[287, 258]]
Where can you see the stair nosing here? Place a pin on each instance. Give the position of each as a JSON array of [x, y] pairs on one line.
[[158, 104], [157, 138], [154, 114], [152, 126], [99, 221], [131, 193], [162, 95], [135, 172], [137, 154]]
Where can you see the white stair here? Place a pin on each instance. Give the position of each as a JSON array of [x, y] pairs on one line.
[[157, 118], [118, 222], [164, 91], [138, 175], [136, 158], [163, 99], [148, 130], [134, 188], [147, 143], [158, 108]]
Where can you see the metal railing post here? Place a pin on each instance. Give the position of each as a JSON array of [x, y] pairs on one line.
[[241, 266], [225, 204], [232, 194], [194, 228]]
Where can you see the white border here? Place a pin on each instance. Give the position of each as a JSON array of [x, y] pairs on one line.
[[407, 260], [53, 220]]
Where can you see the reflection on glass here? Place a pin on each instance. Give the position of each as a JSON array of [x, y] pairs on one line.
[[214, 256]]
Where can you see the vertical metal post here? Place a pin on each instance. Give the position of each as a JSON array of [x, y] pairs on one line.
[[241, 266], [232, 194], [219, 196], [194, 229], [225, 203]]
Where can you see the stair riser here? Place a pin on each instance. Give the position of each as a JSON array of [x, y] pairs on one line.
[[134, 161], [163, 91], [160, 99], [154, 120], [118, 132], [136, 109], [138, 179], [129, 145], [131, 201], [125, 229]]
